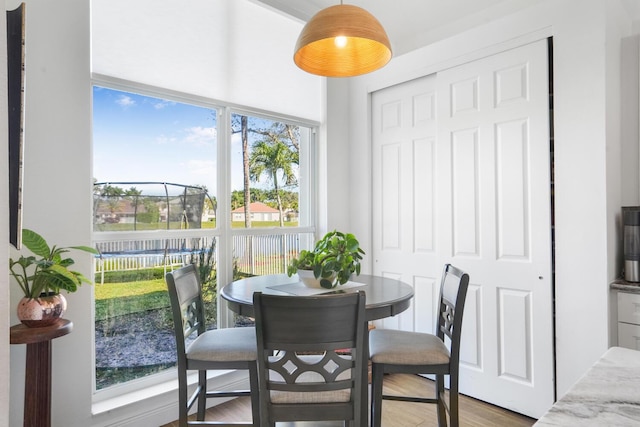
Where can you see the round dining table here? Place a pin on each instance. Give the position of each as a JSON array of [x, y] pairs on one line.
[[385, 297]]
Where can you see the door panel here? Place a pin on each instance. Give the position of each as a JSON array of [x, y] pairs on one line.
[[462, 174], [404, 199], [464, 178]]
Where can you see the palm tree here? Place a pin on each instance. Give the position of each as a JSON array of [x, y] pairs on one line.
[[237, 199], [245, 168], [134, 194], [273, 158], [240, 124], [113, 195]]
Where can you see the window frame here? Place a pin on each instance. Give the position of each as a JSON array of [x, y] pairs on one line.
[[223, 230]]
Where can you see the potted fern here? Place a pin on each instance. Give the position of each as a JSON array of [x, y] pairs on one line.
[[332, 261], [41, 279]]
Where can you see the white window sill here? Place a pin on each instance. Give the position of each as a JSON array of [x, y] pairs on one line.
[[168, 388]]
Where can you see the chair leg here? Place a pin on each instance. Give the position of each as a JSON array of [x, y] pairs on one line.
[[255, 395], [182, 398], [442, 413], [453, 401], [202, 396], [377, 374], [264, 409]]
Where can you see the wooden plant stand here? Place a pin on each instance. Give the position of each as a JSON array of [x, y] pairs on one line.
[[37, 385]]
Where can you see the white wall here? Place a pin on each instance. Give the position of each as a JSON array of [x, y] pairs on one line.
[[5, 307], [57, 186], [232, 51], [622, 154], [586, 38], [340, 158], [580, 190], [630, 111]]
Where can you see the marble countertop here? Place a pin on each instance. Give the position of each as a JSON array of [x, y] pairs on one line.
[[608, 394], [624, 286]]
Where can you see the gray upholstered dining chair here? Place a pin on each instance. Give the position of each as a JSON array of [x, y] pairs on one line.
[[202, 350], [311, 357], [393, 351]]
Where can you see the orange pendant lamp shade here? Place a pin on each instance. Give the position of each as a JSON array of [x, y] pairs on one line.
[[342, 41]]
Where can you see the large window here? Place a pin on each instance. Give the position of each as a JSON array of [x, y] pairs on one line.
[[267, 190], [172, 185]]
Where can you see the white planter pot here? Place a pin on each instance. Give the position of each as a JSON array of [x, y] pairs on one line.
[[307, 277]]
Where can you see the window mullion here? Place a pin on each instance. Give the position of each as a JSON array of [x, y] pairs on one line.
[[223, 212]]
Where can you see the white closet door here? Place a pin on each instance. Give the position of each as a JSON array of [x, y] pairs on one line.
[[404, 204], [468, 182]]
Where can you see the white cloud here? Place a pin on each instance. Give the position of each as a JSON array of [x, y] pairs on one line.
[[199, 135], [162, 104], [125, 101], [163, 139]]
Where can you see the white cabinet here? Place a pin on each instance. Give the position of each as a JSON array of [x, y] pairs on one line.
[[629, 320]]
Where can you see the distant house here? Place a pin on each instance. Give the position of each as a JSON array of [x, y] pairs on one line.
[[259, 212], [119, 211], [208, 214]]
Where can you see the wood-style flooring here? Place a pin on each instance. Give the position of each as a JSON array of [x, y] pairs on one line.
[[473, 413]]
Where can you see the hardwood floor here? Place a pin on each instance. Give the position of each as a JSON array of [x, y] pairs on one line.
[[473, 413]]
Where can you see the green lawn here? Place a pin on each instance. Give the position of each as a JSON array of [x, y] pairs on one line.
[[116, 299], [134, 291], [128, 289], [258, 224]]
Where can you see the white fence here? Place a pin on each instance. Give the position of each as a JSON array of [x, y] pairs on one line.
[[260, 255], [252, 254]]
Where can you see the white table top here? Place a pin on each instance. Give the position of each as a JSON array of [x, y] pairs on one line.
[[608, 394]]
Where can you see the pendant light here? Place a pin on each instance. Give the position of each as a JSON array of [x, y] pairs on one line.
[[342, 41]]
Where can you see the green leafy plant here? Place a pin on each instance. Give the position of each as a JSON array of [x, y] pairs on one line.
[[204, 258], [333, 260], [48, 274]]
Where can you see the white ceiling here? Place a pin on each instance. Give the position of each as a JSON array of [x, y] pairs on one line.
[[414, 23]]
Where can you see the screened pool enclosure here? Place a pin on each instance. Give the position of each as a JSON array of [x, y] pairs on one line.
[[150, 206]]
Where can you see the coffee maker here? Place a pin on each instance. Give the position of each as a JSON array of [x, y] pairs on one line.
[[631, 233]]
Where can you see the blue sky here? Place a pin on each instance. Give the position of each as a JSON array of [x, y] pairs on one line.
[[139, 138], [144, 139]]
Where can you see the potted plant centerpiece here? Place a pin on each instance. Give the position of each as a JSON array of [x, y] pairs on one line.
[[41, 280], [332, 261]]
